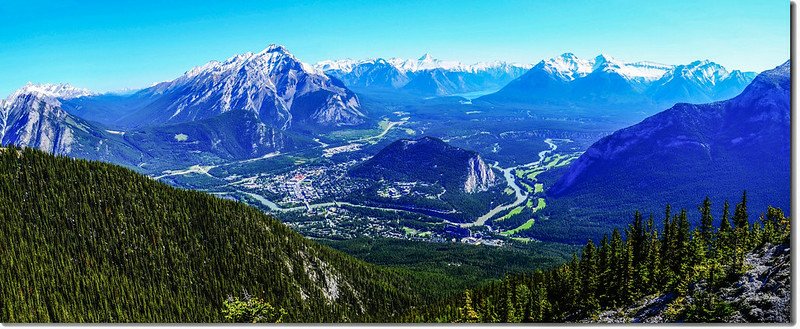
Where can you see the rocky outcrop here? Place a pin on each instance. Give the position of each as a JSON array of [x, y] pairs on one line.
[[33, 117], [35, 120], [280, 89], [480, 176], [761, 295]]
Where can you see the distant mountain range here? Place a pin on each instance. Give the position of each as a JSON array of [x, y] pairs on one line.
[[691, 151], [568, 81], [274, 85], [246, 106], [256, 103], [33, 116], [425, 76], [429, 160]]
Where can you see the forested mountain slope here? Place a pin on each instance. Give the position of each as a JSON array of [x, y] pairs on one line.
[[727, 269], [683, 154], [93, 242]]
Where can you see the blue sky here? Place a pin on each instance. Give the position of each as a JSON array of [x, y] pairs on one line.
[[108, 45]]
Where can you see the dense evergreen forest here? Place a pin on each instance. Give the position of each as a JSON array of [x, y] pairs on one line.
[[87, 241], [619, 270]]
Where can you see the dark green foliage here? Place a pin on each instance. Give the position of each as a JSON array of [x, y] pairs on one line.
[[429, 160], [707, 307], [92, 242], [622, 270], [251, 310], [455, 265]]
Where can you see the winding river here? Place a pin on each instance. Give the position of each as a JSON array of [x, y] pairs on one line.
[[520, 196], [508, 174]]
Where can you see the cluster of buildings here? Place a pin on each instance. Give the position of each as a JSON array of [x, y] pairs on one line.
[[308, 184], [396, 190]]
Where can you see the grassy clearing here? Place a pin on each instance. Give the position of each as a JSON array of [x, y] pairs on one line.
[[511, 213], [527, 187], [560, 160], [533, 174], [527, 225], [538, 188], [528, 174], [414, 232], [529, 204], [508, 191], [350, 134], [540, 205], [384, 124]]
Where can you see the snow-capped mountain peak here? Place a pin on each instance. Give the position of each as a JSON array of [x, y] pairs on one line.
[[606, 63], [60, 90], [342, 65], [704, 72], [569, 67], [423, 63], [269, 83], [274, 48]]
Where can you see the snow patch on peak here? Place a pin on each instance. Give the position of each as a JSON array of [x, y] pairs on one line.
[[266, 83], [61, 90], [704, 71], [342, 65], [569, 67], [425, 63], [274, 48]]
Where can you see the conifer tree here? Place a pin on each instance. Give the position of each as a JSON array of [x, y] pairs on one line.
[[654, 264], [706, 223], [741, 217], [468, 314], [541, 305], [725, 223], [523, 303], [589, 280]]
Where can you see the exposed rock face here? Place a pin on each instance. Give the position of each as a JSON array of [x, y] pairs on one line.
[[761, 295], [273, 84], [33, 117], [480, 176], [35, 120]]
